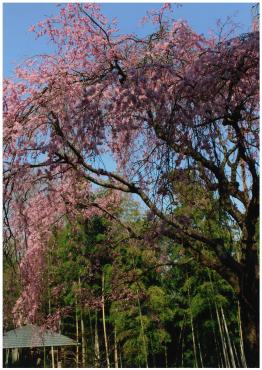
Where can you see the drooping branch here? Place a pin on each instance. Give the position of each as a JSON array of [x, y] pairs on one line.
[[225, 187]]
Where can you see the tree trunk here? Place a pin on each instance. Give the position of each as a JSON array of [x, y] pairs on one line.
[[250, 328], [249, 306]]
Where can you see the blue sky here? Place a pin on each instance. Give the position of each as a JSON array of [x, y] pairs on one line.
[[18, 17]]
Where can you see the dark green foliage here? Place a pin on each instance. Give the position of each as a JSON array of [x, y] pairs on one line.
[[162, 309]]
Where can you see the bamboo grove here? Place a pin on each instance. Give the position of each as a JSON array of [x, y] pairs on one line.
[[130, 302]]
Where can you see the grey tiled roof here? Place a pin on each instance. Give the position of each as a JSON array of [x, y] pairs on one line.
[[32, 336]]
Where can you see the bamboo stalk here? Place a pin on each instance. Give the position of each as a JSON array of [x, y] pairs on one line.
[[192, 329], [142, 329], [141, 322], [219, 356], [166, 357], [77, 337], [83, 339], [182, 352], [52, 348], [7, 352], [221, 332], [243, 357], [121, 363], [49, 309], [224, 346], [82, 332], [97, 350], [91, 336], [199, 350], [238, 362], [180, 337], [152, 352], [57, 357], [228, 339], [104, 321], [115, 348]]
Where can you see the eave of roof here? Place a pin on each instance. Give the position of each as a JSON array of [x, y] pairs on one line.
[[31, 336]]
